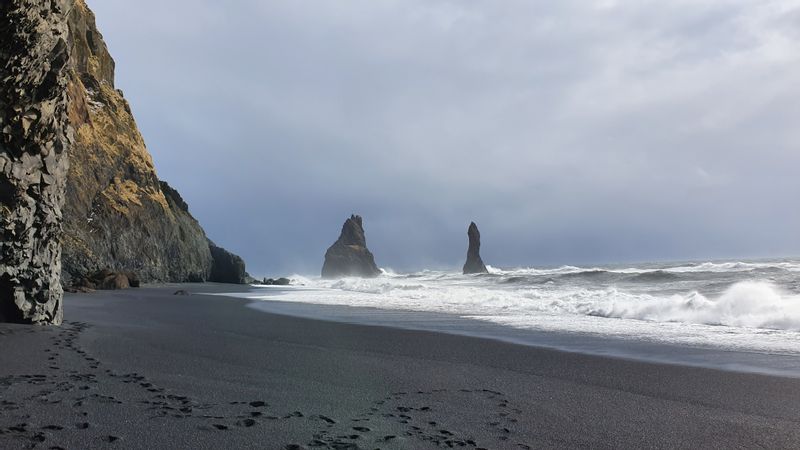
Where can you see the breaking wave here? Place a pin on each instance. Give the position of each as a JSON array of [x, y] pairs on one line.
[[654, 277], [706, 267], [752, 304], [745, 304]]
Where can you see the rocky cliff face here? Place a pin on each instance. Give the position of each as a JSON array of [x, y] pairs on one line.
[[349, 256], [474, 262], [118, 214], [34, 136], [226, 267]]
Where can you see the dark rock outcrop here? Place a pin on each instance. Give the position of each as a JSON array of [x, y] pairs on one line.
[[349, 256], [226, 267], [248, 279], [34, 137], [474, 262], [105, 279], [276, 281]]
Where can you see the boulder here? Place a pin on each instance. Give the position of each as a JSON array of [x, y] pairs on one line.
[[349, 255], [105, 279], [115, 282], [225, 266], [35, 134], [133, 279], [249, 279], [276, 281], [474, 262]]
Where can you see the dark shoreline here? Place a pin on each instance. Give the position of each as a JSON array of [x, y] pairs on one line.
[[156, 370]]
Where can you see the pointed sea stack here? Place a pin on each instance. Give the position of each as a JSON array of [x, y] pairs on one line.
[[349, 256], [474, 262], [34, 138]]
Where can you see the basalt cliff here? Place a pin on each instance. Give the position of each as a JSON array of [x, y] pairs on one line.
[[34, 137], [118, 215], [79, 195]]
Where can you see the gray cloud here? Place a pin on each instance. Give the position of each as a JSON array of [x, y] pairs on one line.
[[571, 131]]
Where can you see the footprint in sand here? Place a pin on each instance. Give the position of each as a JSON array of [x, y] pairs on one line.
[[327, 419], [246, 423]]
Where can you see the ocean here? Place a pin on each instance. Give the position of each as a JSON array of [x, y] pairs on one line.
[[729, 314]]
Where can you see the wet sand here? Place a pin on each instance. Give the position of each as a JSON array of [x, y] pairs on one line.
[[148, 369]]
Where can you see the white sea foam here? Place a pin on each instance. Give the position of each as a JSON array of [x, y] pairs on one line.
[[745, 313], [745, 304], [711, 267]]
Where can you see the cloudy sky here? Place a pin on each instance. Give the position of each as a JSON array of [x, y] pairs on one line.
[[571, 131]]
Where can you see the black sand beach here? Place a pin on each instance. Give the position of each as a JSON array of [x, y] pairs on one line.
[[147, 369]]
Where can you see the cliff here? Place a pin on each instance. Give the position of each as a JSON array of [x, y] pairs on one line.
[[349, 255], [34, 135], [118, 215], [227, 267]]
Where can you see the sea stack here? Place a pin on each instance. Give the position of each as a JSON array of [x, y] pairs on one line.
[[474, 262], [349, 256], [34, 137]]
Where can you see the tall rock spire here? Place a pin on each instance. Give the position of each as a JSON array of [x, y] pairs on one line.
[[474, 262]]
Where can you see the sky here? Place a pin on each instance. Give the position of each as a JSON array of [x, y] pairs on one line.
[[571, 132]]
